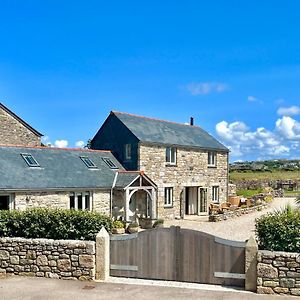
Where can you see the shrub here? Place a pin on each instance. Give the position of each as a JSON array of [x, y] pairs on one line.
[[118, 224], [133, 225], [279, 231], [52, 224], [158, 222]]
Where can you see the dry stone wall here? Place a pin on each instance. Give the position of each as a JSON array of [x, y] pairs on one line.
[[48, 258], [278, 273], [190, 170], [15, 133]]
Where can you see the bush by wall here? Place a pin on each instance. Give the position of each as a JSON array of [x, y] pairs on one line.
[[52, 224], [279, 231]]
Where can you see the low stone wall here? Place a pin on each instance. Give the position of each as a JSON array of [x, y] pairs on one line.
[[48, 258], [236, 213], [278, 273]]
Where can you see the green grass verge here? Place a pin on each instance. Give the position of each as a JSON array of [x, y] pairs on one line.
[[248, 193], [275, 175]]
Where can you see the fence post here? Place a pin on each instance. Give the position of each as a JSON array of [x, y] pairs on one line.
[[102, 255], [251, 264]]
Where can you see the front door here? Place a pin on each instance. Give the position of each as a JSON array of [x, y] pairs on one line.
[[4, 202], [202, 201]]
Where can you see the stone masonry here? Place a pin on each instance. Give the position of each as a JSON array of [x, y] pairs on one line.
[[48, 258], [13, 132], [191, 170], [59, 199], [278, 273]]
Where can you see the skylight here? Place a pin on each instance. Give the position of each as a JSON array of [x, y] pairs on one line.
[[109, 163], [30, 160], [88, 162]]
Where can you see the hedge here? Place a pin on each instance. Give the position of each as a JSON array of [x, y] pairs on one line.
[[52, 224], [279, 231]]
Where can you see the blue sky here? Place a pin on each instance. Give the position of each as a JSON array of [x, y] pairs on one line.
[[232, 65]]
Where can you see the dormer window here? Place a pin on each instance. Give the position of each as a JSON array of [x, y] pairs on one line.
[[171, 155], [88, 162], [212, 159], [109, 162], [30, 160]]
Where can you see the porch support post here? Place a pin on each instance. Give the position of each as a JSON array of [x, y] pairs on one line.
[[153, 204], [127, 199]]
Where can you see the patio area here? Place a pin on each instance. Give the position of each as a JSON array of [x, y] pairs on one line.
[[239, 229]]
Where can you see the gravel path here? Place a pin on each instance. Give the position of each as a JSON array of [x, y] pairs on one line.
[[239, 228]]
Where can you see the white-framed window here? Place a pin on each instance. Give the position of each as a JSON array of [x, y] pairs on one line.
[[128, 151], [212, 159], [168, 197], [215, 194], [80, 201], [171, 155]]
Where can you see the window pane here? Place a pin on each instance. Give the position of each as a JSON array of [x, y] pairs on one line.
[[87, 202], [72, 201], [79, 199], [173, 155], [168, 154]]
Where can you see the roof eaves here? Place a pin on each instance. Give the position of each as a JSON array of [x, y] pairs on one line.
[[21, 120]]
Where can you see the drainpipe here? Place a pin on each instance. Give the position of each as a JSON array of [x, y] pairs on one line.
[[111, 192]]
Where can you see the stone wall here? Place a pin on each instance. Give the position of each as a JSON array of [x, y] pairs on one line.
[[15, 133], [236, 213], [191, 170], [59, 199], [101, 202], [48, 258], [278, 273]]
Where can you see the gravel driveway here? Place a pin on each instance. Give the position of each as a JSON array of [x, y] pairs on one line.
[[239, 228]]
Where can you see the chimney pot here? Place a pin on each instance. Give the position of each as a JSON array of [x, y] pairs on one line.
[[192, 121]]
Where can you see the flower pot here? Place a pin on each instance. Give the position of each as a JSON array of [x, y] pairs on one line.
[[118, 230], [133, 229]]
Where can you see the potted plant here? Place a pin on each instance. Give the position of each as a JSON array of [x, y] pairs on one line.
[[118, 227], [158, 223], [133, 227]]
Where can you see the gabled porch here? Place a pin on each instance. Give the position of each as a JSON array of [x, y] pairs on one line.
[[134, 196]]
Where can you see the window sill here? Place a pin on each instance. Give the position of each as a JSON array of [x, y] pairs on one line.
[[168, 206], [212, 166], [170, 165]]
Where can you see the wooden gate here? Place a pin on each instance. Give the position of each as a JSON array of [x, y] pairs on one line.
[[178, 254]]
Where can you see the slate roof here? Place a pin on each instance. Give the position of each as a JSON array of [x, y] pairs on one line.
[[59, 169], [20, 120], [124, 178], [168, 133]]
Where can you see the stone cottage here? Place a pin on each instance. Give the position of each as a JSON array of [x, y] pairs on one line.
[[73, 179], [15, 131], [188, 166]]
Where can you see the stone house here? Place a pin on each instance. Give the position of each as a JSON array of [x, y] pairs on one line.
[[15, 131], [188, 166], [72, 179]]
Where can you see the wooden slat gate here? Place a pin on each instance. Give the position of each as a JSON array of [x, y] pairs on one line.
[[178, 254]]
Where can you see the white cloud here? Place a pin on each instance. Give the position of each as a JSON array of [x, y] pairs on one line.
[[203, 88], [251, 99], [289, 111], [244, 143], [80, 144], [288, 128], [61, 143]]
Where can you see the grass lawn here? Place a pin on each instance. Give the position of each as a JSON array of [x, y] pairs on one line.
[[248, 193], [275, 175]]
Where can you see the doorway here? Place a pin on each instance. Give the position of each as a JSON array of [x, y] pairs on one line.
[[4, 202], [191, 200], [196, 201]]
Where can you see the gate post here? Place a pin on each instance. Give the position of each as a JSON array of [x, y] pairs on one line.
[[102, 255], [251, 264]]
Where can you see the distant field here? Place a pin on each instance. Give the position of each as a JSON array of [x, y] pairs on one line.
[[252, 175]]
